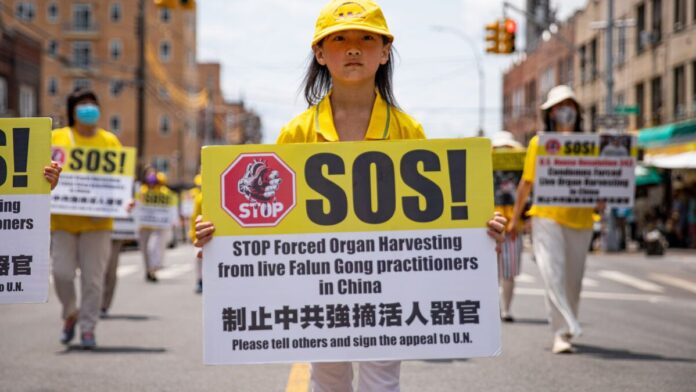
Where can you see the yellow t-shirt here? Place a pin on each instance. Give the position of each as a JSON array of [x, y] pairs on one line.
[[316, 124], [67, 137], [573, 217]]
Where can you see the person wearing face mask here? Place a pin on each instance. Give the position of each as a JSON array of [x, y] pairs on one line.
[[560, 235], [81, 241], [153, 239]]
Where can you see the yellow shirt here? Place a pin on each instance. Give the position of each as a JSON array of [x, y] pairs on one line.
[[316, 124], [573, 217], [70, 138]]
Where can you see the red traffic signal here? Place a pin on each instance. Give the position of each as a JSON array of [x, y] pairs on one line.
[[510, 26]]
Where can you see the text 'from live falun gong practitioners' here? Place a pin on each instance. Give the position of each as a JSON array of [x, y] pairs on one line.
[[24, 209], [349, 252]]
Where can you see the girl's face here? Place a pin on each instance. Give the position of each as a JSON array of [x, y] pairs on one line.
[[352, 56]]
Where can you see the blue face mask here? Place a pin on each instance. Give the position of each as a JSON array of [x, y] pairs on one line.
[[87, 114]]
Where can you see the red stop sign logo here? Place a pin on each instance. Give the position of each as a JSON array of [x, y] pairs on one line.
[[553, 147], [258, 190]]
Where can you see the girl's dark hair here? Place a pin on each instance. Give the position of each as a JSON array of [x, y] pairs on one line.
[[550, 126], [317, 80], [76, 96]]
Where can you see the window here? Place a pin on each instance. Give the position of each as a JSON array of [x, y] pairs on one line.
[[621, 50], [160, 164], [52, 86], [25, 11], [594, 61], [679, 15], [165, 51], [583, 64], [82, 54], [163, 93], [3, 95], [82, 17], [115, 88], [115, 49], [640, 102], [546, 81], [115, 12], [165, 15], [82, 83], [656, 21], [656, 100], [115, 124], [517, 102], [530, 98], [27, 101], [164, 126], [620, 99], [52, 12], [641, 29], [52, 47], [679, 88]]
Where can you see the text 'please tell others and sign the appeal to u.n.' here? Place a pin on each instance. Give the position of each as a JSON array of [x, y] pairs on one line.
[[349, 251], [25, 148]]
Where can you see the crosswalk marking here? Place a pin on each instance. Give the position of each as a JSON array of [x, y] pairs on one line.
[[125, 270], [632, 281], [174, 271], [676, 282], [599, 295], [525, 278], [588, 282]]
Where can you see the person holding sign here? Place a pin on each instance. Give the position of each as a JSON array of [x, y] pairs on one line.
[[81, 241], [154, 193], [560, 235], [348, 86]]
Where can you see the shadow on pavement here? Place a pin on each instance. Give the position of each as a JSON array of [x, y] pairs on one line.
[[128, 317], [607, 353], [528, 321], [444, 360], [76, 348]]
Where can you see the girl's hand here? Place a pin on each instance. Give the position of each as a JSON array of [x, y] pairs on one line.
[[204, 231], [52, 173], [496, 229]]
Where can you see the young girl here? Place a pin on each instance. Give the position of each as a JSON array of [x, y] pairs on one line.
[[349, 89]]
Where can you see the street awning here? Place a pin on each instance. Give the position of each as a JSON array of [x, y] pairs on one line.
[[675, 133], [684, 160], [647, 176]]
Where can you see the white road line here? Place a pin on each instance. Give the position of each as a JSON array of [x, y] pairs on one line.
[[525, 278], [125, 270], [600, 295], [174, 271], [587, 282], [676, 282], [632, 281]]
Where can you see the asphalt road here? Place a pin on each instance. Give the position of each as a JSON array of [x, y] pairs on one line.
[[638, 314]]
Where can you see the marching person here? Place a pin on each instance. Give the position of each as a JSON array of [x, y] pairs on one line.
[[197, 210], [510, 256], [560, 235], [153, 239], [348, 86], [80, 241]]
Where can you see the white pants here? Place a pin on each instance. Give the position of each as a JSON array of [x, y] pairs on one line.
[[152, 243], [560, 255], [375, 376], [88, 251]]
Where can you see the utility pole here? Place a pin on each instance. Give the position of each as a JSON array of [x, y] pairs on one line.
[[140, 89], [610, 58]]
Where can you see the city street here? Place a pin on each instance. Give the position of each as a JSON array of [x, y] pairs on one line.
[[638, 315]]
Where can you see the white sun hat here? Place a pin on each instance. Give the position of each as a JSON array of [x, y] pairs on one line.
[[557, 95], [504, 139]]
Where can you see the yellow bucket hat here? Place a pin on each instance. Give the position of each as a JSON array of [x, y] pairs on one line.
[[340, 15]]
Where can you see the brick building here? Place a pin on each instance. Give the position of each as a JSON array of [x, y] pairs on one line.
[[20, 70]]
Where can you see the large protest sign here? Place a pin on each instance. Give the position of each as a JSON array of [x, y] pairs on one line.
[[157, 208], [95, 181], [577, 170], [349, 251], [25, 148], [507, 172]]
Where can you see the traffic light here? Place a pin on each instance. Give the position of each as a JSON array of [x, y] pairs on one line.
[[166, 3], [508, 36], [185, 4], [493, 37]]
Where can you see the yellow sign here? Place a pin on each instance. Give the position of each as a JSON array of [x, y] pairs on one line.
[[508, 160], [348, 187], [93, 160], [25, 149], [158, 198]]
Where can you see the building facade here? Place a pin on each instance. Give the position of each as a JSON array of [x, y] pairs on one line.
[[20, 70], [94, 44]]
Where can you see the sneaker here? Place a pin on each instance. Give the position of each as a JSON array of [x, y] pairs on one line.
[[150, 277], [103, 313], [88, 341], [561, 345], [68, 332], [199, 286], [507, 318]]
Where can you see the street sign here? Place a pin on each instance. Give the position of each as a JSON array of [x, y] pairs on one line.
[[611, 121], [627, 109]]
